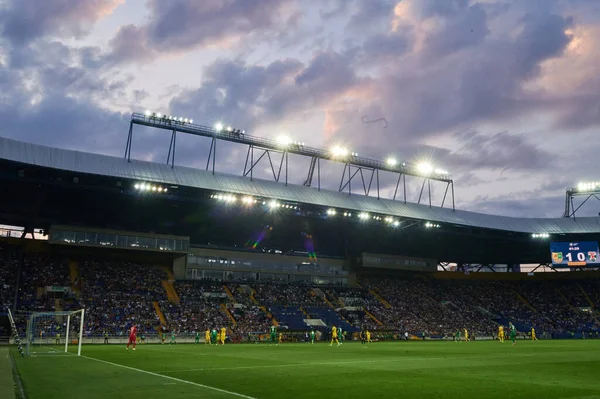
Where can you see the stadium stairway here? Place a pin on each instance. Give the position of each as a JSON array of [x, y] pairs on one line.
[[229, 293], [269, 315], [159, 313], [170, 289], [224, 307], [322, 295], [253, 298], [75, 281], [372, 316], [586, 296], [385, 303], [58, 305], [565, 300], [525, 301]]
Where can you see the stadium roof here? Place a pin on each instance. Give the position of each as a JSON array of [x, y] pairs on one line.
[[89, 163]]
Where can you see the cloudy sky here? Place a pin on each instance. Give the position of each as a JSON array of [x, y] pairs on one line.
[[502, 93]]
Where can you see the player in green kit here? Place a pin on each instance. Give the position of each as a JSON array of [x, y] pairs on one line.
[[341, 335], [512, 331], [173, 341], [273, 336], [213, 336], [312, 336]]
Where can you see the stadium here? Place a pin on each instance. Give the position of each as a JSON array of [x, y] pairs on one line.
[[317, 291]]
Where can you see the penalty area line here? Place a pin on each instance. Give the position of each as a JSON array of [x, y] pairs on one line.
[[239, 395]]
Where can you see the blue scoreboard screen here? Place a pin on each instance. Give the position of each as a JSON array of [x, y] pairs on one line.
[[574, 254]]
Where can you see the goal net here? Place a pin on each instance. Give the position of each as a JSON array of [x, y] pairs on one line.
[[54, 333]]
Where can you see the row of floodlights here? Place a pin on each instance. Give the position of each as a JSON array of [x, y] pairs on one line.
[[219, 127], [430, 225], [540, 235], [588, 186], [273, 204], [424, 168], [165, 117], [248, 200], [147, 187]]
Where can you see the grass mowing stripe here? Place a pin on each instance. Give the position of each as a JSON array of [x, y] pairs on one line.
[[337, 363], [239, 395]]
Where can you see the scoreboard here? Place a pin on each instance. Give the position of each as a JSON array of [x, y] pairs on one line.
[[574, 254]]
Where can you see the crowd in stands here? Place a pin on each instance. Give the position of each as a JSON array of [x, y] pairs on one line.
[[9, 265], [117, 294], [287, 295]]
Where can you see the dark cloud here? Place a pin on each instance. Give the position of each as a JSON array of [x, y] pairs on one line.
[[180, 25], [467, 28], [498, 151], [24, 20], [246, 94], [452, 65]]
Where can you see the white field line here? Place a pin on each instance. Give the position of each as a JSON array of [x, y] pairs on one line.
[[239, 395]]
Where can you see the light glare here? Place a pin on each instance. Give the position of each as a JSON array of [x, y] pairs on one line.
[[425, 168]]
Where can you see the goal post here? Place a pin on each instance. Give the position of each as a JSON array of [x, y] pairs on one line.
[[47, 330]]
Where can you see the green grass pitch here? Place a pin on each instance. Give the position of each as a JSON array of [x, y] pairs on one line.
[[543, 369]]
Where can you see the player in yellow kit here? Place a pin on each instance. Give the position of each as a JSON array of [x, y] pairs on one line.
[[280, 339], [501, 334], [334, 336], [207, 337], [533, 337], [223, 335], [368, 336], [466, 334]]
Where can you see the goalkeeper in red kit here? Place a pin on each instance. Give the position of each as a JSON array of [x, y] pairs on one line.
[[132, 337]]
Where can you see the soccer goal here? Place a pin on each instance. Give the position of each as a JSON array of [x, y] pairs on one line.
[[54, 333]]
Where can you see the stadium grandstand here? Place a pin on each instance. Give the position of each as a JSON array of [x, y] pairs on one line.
[[178, 251]]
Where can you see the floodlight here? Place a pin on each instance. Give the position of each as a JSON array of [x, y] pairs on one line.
[[273, 204], [219, 127], [441, 172], [339, 151], [395, 223], [147, 113], [355, 154], [137, 186], [159, 115], [331, 212], [363, 215], [185, 120], [284, 140], [164, 190], [248, 200], [540, 235], [588, 186], [425, 168], [229, 128], [391, 162], [153, 188], [191, 121]]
